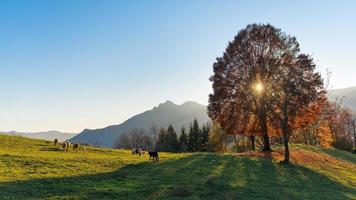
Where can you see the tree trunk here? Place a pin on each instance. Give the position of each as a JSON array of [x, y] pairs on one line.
[[265, 137], [252, 138], [354, 130], [286, 149], [236, 143], [285, 131]]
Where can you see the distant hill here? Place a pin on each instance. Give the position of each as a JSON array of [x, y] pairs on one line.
[[349, 95], [160, 116], [48, 135]]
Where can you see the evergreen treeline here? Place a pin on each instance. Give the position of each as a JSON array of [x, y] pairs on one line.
[[196, 139]]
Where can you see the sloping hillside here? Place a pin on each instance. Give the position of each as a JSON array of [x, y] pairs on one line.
[[35, 169], [48, 135], [163, 115], [347, 94]]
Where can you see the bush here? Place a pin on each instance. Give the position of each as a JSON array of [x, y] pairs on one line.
[[342, 143]]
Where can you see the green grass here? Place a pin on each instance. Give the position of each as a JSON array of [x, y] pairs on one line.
[[344, 155], [35, 169]]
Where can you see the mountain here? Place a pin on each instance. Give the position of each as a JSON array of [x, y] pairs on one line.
[[160, 116], [348, 95], [49, 135]]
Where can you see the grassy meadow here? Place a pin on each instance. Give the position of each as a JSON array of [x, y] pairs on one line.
[[36, 169]]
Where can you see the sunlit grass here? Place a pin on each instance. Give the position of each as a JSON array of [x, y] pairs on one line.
[[35, 169]]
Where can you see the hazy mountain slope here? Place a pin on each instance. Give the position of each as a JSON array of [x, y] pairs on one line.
[[48, 135], [163, 115], [349, 95]]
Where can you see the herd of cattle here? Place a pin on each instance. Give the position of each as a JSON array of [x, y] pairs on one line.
[[65, 146]]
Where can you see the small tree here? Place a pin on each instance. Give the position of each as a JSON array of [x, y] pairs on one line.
[[183, 140], [172, 141], [147, 143], [154, 131], [167, 140], [298, 87], [135, 138], [217, 138], [193, 136], [124, 141], [310, 126], [204, 137], [161, 144], [341, 123]]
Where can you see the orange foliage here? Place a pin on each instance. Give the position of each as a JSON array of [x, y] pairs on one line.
[[324, 133], [311, 124]]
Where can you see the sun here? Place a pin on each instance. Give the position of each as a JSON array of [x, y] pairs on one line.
[[259, 87]]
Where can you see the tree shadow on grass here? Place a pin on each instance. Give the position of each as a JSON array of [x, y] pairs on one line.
[[197, 176], [344, 155], [51, 149]]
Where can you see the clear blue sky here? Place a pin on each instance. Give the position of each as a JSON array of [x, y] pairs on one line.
[[69, 65]]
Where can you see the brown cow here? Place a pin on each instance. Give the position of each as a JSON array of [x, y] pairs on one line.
[[55, 142], [153, 155], [65, 146], [76, 146]]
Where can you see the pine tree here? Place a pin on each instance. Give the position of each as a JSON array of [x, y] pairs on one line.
[[204, 137], [193, 137], [183, 140], [161, 144], [190, 138], [171, 139]]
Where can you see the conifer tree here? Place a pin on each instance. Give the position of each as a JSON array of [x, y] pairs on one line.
[[171, 139], [204, 137], [161, 144], [183, 140], [193, 136]]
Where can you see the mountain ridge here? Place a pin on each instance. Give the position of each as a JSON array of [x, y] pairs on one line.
[[347, 95], [159, 116], [45, 135]]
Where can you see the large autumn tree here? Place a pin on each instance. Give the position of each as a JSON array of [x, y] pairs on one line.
[[243, 77], [262, 73]]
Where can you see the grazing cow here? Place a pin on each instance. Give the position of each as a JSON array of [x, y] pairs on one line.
[[154, 155], [76, 146], [65, 146], [55, 142], [136, 152]]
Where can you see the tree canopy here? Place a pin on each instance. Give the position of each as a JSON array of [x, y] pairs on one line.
[[262, 78]]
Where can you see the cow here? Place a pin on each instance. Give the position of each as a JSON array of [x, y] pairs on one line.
[[136, 152], [76, 146], [65, 146], [153, 155]]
